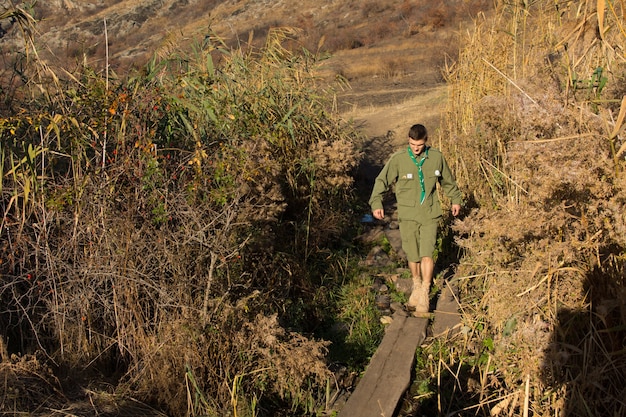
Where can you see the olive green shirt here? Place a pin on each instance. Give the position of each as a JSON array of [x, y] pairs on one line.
[[402, 171]]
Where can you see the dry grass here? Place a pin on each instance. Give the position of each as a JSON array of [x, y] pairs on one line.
[[154, 228], [543, 273], [533, 134]]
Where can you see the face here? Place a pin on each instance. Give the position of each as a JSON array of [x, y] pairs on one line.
[[417, 145]]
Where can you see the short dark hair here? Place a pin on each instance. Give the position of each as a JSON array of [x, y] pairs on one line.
[[418, 132]]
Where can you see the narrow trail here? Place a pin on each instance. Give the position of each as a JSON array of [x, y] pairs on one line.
[[409, 106], [389, 374]]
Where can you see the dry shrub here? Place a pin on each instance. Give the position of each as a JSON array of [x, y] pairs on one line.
[[30, 387], [395, 67], [379, 30], [544, 246], [371, 8], [337, 40], [291, 360], [27, 385], [160, 301], [406, 8], [436, 16], [178, 213], [240, 358], [335, 160]]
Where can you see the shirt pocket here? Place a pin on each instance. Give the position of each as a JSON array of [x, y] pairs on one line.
[[432, 175], [406, 192], [430, 181]]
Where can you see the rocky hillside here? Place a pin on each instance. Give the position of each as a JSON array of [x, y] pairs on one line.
[[136, 29], [386, 53]]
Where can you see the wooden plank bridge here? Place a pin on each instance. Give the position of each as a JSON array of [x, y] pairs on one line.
[[388, 374]]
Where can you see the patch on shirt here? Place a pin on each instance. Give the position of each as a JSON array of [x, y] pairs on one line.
[[408, 176]]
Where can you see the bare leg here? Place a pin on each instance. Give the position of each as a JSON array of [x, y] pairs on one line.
[[427, 267], [415, 269]]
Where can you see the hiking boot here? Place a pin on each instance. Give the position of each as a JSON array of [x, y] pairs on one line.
[[414, 299], [419, 298], [424, 300]]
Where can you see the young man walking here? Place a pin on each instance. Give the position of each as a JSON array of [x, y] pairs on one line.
[[415, 171]]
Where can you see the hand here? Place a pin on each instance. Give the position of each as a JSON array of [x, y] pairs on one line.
[[379, 214], [456, 209]]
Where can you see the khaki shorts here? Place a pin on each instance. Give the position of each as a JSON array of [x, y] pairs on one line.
[[418, 239]]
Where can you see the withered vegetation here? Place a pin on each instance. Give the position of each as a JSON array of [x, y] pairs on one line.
[[535, 122], [168, 231], [160, 231]]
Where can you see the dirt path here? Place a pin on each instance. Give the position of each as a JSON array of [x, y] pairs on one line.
[[414, 105], [383, 111]]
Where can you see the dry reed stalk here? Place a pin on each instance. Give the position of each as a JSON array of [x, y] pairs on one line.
[[439, 406], [505, 402], [548, 276], [513, 83], [600, 16], [106, 89], [527, 396], [619, 126], [4, 353], [619, 123], [483, 378], [504, 175], [580, 242]]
